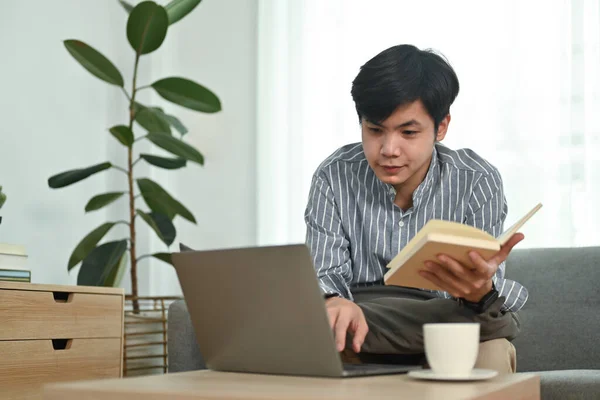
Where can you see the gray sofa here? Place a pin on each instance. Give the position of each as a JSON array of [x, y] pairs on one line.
[[560, 322]]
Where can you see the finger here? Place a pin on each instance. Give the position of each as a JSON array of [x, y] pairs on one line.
[[502, 255], [512, 242], [483, 268], [332, 314], [439, 283], [473, 278], [341, 328], [449, 279], [457, 268], [359, 334]]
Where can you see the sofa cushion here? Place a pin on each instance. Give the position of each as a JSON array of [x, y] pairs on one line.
[[570, 385], [184, 353], [560, 321]]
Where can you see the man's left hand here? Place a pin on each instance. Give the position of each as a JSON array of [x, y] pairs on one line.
[[461, 281]]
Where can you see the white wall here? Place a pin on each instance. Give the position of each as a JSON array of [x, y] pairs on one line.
[[215, 46], [528, 101], [56, 115]]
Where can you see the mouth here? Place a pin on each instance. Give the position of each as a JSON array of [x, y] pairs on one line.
[[392, 169]]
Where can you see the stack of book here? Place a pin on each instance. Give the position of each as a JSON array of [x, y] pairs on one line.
[[13, 260]]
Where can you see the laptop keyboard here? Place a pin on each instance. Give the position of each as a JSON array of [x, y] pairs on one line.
[[358, 367], [377, 369]]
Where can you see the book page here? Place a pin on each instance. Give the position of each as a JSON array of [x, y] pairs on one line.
[[457, 229], [517, 225], [454, 246], [442, 227]]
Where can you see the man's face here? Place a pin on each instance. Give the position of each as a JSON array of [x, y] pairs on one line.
[[399, 149]]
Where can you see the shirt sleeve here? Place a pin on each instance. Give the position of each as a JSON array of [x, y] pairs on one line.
[[327, 241], [487, 211]]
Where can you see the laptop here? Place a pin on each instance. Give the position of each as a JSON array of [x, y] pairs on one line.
[[260, 310]]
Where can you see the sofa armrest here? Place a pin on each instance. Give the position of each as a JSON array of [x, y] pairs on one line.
[[183, 351]]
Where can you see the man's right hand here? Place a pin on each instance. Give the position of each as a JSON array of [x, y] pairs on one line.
[[345, 316]]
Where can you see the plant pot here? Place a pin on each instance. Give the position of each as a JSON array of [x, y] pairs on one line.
[[145, 342]]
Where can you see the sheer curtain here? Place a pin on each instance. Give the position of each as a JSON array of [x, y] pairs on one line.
[[529, 100]]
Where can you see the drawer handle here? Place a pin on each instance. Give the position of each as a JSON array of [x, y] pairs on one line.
[[61, 344], [62, 297]]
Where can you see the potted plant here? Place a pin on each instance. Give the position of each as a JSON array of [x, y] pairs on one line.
[[2, 200], [104, 263]]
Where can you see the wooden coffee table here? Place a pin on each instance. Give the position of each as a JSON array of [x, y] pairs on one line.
[[196, 385]]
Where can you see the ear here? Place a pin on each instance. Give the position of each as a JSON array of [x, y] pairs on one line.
[[442, 129]]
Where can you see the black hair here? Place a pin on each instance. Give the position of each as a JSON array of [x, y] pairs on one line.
[[401, 75]]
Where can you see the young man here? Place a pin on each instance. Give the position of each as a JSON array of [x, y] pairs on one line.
[[369, 199]]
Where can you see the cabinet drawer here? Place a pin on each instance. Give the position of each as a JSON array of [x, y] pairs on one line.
[[46, 315], [26, 365]]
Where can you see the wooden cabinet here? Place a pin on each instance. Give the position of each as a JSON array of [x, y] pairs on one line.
[[54, 333]]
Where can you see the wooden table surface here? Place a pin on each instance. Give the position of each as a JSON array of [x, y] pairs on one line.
[[196, 385]]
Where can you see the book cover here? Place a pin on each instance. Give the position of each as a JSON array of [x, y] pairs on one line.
[[13, 249], [13, 261], [445, 237]]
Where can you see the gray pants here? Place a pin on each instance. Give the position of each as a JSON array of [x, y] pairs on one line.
[[395, 316]]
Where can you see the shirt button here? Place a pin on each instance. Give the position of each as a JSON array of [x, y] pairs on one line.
[[401, 223]]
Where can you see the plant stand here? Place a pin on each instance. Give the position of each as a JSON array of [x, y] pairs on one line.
[[145, 345]]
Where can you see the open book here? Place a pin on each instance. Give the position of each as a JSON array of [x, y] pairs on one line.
[[445, 237]]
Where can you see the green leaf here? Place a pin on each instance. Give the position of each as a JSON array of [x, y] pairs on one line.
[[101, 200], [159, 113], [152, 120], [177, 147], [94, 62], [166, 227], [2, 197], [123, 134], [128, 7], [147, 27], [177, 9], [137, 107], [149, 221], [69, 177], [166, 257], [161, 202], [99, 265], [116, 275], [163, 162], [175, 123], [88, 243], [161, 224], [187, 94]]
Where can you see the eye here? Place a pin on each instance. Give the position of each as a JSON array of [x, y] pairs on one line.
[[410, 133], [374, 129]]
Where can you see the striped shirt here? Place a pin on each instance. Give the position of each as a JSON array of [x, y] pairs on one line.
[[354, 228]]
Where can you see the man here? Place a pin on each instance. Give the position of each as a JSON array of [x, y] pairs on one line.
[[368, 199]]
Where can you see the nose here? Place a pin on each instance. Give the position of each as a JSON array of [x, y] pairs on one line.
[[390, 146]]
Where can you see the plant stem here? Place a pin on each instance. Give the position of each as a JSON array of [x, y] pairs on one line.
[[144, 87], [134, 287], [136, 161], [120, 169], [126, 94]]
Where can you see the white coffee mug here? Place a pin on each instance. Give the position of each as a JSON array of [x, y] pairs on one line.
[[451, 348]]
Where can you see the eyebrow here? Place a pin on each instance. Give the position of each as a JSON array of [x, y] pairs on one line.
[[412, 122]]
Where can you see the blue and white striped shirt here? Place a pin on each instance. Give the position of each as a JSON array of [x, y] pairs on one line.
[[354, 228]]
